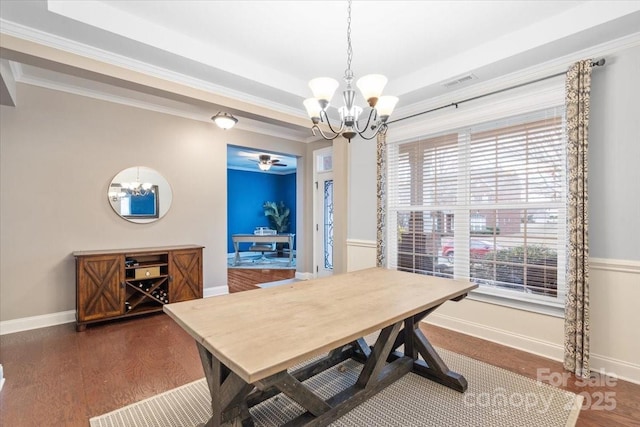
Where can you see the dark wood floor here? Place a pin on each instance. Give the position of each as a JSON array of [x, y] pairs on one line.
[[246, 279], [59, 377]]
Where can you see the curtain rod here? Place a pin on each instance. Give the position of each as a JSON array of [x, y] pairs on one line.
[[599, 63]]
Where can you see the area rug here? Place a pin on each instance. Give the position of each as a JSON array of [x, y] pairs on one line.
[[495, 397]]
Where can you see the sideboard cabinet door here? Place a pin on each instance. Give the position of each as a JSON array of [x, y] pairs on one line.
[[186, 275], [99, 289]]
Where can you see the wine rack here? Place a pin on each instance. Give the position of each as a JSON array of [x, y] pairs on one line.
[[146, 281], [123, 283]]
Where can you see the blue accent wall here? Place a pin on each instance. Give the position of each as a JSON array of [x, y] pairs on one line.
[[247, 192], [143, 205]]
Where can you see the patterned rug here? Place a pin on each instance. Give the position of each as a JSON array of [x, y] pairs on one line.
[[495, 397]]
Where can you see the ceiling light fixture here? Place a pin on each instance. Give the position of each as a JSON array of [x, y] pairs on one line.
[[224, 120], [264, 166], [371, 87], [265, 162]]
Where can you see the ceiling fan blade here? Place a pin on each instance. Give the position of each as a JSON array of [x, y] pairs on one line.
[[247, 154], [278, 164]]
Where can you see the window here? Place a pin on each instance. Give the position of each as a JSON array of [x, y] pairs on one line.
[[484, 202]]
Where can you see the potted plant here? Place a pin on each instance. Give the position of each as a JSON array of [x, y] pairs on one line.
[[278, 215]]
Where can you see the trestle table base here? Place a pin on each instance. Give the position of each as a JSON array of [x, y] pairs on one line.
[[383, 364]]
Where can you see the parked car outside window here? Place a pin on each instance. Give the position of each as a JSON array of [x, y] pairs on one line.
[[477, 249]]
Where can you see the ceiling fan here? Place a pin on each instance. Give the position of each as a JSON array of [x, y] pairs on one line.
[[265, 162]]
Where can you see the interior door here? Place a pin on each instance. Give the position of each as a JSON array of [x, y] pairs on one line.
[[323, 213]]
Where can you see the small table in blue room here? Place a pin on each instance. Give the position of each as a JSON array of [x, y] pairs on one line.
[[262, 238]]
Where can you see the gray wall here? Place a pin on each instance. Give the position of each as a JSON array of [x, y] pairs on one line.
[[362, 189], [614, 158], [58, 154]]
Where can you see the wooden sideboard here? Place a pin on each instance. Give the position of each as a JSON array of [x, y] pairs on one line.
[[112, 284]]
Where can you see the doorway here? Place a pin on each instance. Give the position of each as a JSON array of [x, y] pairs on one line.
[[258, 182]]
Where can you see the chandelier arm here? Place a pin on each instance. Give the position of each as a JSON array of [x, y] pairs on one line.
[[326, 118], [316, 127], [364, 129], [381, 129]]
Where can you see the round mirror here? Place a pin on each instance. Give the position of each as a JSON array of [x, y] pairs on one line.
[[140, 194]]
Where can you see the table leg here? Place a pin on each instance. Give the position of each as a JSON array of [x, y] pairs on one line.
[[228, 393], [236, 259], [374, 377], [302, 374], [432, 367], [290, 251]]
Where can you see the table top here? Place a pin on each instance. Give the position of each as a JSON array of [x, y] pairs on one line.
[[286, 238], [261, 332], [135, 250]]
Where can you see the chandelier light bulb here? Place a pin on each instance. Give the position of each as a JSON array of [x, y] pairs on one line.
[[313, 108], [323, 89], [371, 87], [385, 106]]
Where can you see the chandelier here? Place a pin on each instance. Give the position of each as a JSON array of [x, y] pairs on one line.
[[137, 188], [370, 86]]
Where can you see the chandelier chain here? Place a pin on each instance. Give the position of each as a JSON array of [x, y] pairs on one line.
[[348, 72]]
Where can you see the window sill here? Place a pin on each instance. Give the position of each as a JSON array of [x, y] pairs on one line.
[[519, 303]]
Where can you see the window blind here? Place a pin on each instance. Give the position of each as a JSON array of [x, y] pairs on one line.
[[485, 202]]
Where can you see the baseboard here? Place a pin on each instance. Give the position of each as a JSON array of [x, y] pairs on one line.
[[500, 336], [304, 276], [605, 365], [616, 368], [216, 290], [35, 322], [53, 319]]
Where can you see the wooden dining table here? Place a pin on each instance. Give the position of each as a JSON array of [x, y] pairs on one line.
[[248, 341]]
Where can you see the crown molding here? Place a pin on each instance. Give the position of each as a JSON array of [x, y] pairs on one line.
[[557, 65], [36, 36], [7, 83], [245, 124]]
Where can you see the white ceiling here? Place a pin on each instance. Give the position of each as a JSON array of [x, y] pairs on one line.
[[254, 58]]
